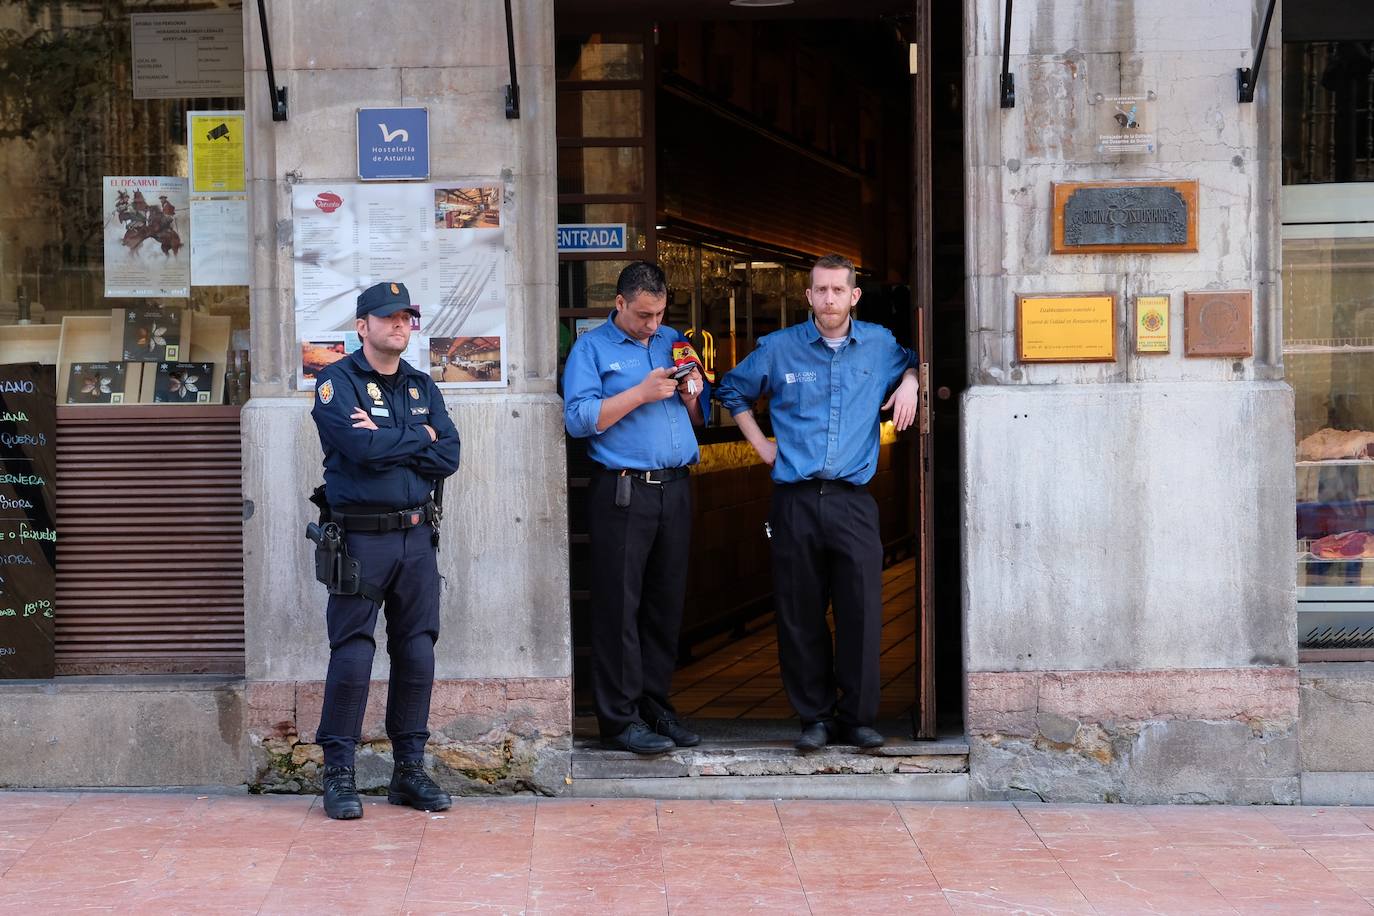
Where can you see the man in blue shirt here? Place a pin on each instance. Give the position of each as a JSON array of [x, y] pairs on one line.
[[388, 441], [620, 395], [827, 380]]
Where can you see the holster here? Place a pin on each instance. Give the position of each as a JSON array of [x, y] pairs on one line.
[[334, 568]]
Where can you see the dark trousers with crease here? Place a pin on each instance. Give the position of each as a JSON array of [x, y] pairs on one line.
[[639, 577], [403, 565], [827, 549]]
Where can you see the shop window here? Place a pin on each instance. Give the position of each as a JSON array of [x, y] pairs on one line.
[[149, 342]]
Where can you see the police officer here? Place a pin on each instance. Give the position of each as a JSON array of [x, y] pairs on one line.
[[387, 442], [826, 379], [619, 395]]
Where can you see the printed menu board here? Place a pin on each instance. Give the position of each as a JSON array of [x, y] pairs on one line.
[[28, 519], [445, 241]]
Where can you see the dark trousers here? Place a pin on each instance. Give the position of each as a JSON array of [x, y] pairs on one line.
[[402, 564], [827, 548], [639, 576]]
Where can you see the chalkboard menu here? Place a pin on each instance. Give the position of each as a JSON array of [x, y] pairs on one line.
[[28, 519]]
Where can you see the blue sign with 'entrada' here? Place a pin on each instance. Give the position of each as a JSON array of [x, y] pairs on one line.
[[393, 144], [591, 236]]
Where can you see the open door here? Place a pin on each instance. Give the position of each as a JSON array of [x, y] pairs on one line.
[[922, 262]]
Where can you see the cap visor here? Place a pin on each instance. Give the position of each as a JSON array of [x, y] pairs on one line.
[[386, 311]]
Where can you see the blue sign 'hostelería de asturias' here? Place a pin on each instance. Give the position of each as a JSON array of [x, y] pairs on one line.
[[393, 144]]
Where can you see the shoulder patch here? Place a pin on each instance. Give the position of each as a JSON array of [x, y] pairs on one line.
[[326, 391], [414, 393]]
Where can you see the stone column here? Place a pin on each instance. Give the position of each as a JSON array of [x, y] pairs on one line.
[[1128, 526], [502, 707]]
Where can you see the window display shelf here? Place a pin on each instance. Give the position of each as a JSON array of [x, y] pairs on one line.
[[1335, 463], [1327, 345]]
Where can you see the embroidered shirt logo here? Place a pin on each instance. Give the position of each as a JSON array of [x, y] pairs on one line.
[[624, 365], [793, 377]]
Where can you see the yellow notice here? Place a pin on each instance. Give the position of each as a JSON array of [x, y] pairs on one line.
[[1152, 324], [216, 139], [1069, 329]]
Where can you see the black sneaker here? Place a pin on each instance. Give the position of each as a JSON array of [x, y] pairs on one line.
[[411, 785], [341, 801], [813, 737], [637, 739], [679, 733], [860, 736]]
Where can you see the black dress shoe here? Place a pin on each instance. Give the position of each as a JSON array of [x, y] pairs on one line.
[[341, 801], [411, 785], [637, 739], [813, 737], [679, 733], [860, 736]]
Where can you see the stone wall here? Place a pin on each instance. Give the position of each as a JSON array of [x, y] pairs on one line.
[[487, 736], [1129, 590], [1337, 706]]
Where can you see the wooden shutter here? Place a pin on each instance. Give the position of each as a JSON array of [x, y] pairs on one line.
[[150, 540]]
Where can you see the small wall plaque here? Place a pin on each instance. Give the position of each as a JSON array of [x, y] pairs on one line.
[[1066, 328], [1126, 125], [1093, 217], [1218, 323], [1152, 324]]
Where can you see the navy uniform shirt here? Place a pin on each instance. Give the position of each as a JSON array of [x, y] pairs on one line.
[[606, 361], [824, 403], [395, 465]]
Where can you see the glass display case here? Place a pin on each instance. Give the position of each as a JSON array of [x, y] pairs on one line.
[[1329, 361]]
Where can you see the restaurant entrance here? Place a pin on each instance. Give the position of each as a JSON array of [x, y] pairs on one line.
[[735, 143]]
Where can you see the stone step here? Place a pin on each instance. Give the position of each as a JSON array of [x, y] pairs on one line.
[[754, 757]]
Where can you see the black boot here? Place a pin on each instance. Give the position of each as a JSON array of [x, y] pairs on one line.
[[411, 785], [341, 800]]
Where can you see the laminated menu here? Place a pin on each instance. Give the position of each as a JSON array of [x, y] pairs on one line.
[[152, 334], [183, 383], [96, 383]]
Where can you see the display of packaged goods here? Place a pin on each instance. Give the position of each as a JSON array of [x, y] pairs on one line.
[[183, 383], [96, 383], [152, 334]]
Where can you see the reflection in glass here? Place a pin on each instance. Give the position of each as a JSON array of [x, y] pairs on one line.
[[599, 56], [601, 113], [601, 170]]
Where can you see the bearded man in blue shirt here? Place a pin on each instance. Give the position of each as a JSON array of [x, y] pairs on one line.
[[620, 395], [827, 380]]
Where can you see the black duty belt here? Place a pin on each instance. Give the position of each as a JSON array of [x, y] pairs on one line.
[[657, 475], [380, 522], [825, 485]]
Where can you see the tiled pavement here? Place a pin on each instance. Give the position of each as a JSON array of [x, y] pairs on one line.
[[167, 853]]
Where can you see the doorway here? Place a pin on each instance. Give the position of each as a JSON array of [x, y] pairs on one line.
[[736, 144]]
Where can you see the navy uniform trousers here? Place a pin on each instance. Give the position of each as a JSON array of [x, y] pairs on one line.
[[402, 565], [827, 548], [639, 580]]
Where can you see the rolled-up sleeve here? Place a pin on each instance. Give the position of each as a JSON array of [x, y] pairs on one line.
[[582, 392], [743, 385], [898, 360]]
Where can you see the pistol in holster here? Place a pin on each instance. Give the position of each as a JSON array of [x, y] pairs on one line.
[[334, 568]]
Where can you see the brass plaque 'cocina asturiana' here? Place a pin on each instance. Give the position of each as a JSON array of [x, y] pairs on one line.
[[1095, 217]]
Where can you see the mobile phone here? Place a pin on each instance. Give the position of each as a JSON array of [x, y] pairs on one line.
[[681, 372]]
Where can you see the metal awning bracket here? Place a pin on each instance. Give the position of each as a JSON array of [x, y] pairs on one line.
[[1246, 77], [277, 93], [1008, 80], [513, 88]]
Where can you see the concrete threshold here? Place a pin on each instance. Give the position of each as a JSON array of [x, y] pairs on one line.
[[742, 769]]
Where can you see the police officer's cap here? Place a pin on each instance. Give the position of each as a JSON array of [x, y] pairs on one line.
[[385, 299]]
